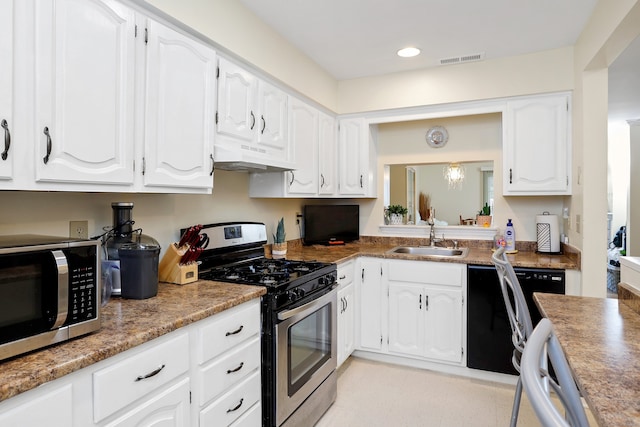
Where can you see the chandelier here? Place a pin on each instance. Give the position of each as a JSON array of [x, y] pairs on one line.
[[454, 174]]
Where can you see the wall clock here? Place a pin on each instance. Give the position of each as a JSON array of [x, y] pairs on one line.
[[437, 136]]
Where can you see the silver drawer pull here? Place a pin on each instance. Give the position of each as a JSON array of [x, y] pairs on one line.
[[237, 331], [237, 407], [150, 374], [231, 371]]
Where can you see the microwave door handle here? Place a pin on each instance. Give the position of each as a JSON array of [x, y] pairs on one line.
[[63, 287]]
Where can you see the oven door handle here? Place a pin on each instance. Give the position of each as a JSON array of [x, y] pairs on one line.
[[308, 306]]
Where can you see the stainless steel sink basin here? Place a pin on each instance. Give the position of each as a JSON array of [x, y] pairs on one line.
[[430, 251]]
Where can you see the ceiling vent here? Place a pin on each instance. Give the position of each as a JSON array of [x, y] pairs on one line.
[[460, 59]]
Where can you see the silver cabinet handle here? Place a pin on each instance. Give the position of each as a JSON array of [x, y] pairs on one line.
[[253, 123], [212, 165], [293, 177], [7, 139], [361, 186], [237, 331], [321, 180], [150, 374], [46, 132], [264, 125]]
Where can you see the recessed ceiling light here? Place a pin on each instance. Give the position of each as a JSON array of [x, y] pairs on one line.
[[409, 52]]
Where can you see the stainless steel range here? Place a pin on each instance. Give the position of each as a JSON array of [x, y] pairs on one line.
[[298, 320]]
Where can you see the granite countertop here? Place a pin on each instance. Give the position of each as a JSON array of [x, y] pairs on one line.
[[126, 323], [601, 340], [479, 253]]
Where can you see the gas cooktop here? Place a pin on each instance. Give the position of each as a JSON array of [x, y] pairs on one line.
[[272, 273]]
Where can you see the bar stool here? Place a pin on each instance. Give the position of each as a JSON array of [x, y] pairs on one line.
[[543, 347], [519, 318]]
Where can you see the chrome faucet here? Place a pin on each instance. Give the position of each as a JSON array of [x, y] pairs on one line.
[[432, 234]]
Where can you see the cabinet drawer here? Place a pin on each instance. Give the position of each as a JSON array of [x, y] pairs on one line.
[[345, 273], [425, 272], [120, 384], [231, 405], [229, 369], [228, 330], [251, 418]]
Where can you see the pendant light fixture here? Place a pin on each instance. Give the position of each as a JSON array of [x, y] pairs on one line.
[[454, 174]]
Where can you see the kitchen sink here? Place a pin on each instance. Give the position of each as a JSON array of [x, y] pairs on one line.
[[430, 251]]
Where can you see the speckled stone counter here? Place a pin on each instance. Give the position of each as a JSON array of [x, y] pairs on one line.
[[125, 324], [601, 339], [479, 253]]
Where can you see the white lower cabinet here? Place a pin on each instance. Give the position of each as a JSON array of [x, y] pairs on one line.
[[204, 374], [412, 309], [425, 309], [372, 297], [50, 406], [346, 311]]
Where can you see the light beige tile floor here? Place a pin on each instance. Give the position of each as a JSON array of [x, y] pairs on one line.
[[374, 394]]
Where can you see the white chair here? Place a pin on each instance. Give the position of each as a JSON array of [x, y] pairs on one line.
[[537, 382], [519, 318]]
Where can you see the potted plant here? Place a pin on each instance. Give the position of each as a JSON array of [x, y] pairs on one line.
[[397, 213], [483, 219], [279, 249]]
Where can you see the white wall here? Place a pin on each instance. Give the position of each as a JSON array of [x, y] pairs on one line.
[[160, 216], [618, 174]]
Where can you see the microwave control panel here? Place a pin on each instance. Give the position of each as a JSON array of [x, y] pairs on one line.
[[83, 289]]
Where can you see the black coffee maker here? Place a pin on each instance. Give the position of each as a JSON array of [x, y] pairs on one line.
[[133, 254]]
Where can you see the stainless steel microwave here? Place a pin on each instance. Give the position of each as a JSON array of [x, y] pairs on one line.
[[49, 291]]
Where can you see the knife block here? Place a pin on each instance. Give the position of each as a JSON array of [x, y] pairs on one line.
[[170, 270]]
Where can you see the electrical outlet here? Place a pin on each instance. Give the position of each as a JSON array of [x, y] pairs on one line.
[[298, 218], [79, 229], [578, 223]]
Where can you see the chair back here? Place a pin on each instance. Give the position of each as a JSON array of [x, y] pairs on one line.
[[537, 382], [515, 303]]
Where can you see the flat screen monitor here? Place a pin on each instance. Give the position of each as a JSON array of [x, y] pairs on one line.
[[331, 224]]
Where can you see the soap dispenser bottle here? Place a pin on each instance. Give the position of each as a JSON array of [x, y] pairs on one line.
[[510, 237]]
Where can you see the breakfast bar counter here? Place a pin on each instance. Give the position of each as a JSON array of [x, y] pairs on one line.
[[601, 340]]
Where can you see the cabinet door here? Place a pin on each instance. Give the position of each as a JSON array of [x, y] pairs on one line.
[[179, 110], [272, 127], [443, 324], [327, 156], [406, 319], [304, 137], [372, 311], [345, 323], [236, 101], [6, 88], [353, 157], [44, 407], [84, 58], [536, 149], [168, 408]]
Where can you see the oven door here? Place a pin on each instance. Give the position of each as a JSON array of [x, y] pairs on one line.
[[305, 351]]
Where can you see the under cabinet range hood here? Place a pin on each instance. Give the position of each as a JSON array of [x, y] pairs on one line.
[[248, 159]]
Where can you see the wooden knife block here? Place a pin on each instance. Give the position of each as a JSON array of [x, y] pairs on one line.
[[170, 270]]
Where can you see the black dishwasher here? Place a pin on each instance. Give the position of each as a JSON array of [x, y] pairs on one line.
[[489, 344]]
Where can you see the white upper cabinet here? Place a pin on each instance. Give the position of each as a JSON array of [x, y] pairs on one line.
[[6, 88], [537, 159], [304, 135], [327, 156], [356, 168], [272, 130], [236, 101], [84, 92], [180, 77], [252, 120]]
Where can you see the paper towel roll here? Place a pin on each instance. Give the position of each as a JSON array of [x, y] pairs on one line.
[[548, 233]]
